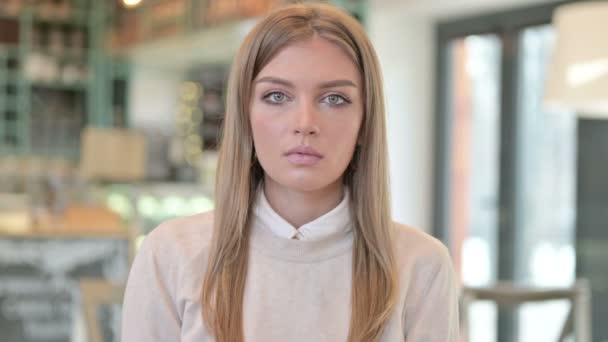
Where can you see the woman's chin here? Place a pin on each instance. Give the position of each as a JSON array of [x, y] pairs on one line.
[[306, 182]]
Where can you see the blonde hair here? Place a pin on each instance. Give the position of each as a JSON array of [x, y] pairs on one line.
[[374, 276]]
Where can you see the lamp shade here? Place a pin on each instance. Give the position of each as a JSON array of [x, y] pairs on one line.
[[578, 78]]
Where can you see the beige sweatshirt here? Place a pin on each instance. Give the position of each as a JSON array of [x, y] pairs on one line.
[[296, 290]]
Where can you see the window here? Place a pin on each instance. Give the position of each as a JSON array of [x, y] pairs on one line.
[[506, 168]]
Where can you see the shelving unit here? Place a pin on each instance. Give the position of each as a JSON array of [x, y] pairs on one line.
[[157, 19], [56, 76]]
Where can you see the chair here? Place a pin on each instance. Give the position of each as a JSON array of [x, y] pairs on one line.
[[95, 293], [578, 321]]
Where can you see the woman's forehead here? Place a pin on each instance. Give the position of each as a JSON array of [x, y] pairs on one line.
[[316, 60]]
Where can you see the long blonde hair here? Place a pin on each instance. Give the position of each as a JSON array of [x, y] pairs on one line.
[[374, 276]]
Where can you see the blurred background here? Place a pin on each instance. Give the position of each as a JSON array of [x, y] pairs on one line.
[[110, 111]]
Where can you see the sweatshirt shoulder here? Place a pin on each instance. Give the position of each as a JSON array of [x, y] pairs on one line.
[[187, 235], [417, 246]]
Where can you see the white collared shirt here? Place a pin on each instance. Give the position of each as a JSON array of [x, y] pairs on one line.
[[336, 220]]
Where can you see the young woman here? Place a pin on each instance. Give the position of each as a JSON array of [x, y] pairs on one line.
[[301, 247]]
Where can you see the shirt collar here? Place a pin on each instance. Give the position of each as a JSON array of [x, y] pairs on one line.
[[335, 221]]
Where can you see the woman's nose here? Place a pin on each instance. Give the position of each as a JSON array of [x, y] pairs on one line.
[[306, 120]]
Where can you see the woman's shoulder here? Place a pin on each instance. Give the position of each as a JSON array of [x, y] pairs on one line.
[[169, 265], [183, 236], [415, 247]]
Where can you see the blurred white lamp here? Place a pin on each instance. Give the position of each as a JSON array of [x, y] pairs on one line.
[[131, 3], [578, 78]]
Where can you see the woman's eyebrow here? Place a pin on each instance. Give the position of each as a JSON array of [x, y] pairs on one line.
[[338, 83], [324, 85], [275, 80]]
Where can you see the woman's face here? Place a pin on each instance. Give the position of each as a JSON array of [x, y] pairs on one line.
[[306, 111]]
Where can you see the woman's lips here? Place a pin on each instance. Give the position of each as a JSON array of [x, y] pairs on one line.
[[303, 159], [303, 156]]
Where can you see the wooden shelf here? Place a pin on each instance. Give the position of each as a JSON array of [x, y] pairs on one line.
[[5, 16], [59, 232], [76, 19], [80, 86], [76, 222], [69, 55]]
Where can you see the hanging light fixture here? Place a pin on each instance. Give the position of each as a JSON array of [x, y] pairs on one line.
[[131, 3], [578, 78]]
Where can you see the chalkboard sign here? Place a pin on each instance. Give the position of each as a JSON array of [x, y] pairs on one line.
[[40, 299]]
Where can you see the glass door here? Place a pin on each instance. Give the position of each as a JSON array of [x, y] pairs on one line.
[[473, 172], [546, 254], [505, 168]]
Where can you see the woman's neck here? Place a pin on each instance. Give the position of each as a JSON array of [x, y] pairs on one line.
[[301, 207]]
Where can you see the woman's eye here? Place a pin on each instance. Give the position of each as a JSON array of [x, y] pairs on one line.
[[335, 100], [275, 97]]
